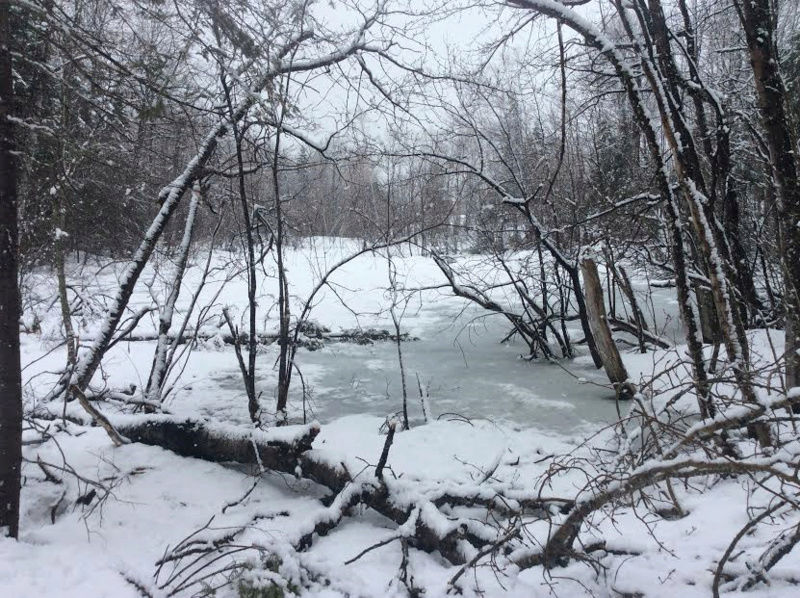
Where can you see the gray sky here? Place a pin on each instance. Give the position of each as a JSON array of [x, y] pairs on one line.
[[439, 35]]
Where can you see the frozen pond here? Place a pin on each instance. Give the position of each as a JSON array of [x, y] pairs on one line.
[[458, 358], [466, 371]]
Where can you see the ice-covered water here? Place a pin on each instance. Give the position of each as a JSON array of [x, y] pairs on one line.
[[458, 358], [464, 370]]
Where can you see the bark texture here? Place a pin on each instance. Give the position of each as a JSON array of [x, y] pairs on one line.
[[759, 26], [10, 375], [596, 311]]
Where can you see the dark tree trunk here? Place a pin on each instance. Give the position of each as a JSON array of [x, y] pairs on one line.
[[249, 370], [759, 27], [10, 375], [749, 301]]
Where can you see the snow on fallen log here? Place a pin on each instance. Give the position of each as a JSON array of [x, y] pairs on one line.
[[288, 450], [277, 449], [414, 506]]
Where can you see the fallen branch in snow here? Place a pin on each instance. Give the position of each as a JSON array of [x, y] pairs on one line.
[[209, 552], [98, 417], [513, 532], [690, 455], [737, 417], [369, 549], [288, 449], [751, 523], [623, 326], [310, 340], [559, 548], [778, 548]]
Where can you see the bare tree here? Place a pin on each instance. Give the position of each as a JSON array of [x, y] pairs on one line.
[[155, 383], [282, 52]]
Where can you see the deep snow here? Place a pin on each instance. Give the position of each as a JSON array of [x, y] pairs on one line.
[[520, 414]]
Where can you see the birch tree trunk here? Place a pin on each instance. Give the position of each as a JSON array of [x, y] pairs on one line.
[[158, 372]]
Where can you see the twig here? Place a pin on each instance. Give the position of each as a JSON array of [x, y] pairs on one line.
[[371, 548], [385, 451], [98, 417]]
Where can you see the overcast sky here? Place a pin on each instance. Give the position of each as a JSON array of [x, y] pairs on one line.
[[440, 35]]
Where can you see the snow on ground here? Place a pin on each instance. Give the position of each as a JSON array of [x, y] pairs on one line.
[[159, 498], [521, 415]]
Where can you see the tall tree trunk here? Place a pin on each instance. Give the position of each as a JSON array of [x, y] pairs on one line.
[[60, 217], [249, 370], [287, 347], [10, 374], [759, 27]]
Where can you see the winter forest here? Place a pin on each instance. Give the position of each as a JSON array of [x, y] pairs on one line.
[[399, 298]]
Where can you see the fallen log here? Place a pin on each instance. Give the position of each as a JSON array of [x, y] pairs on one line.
[[277, 450], [417, 508], [289, 450], [311, 340]]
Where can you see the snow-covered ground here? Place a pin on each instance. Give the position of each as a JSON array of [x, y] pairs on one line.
[[492, 415]]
